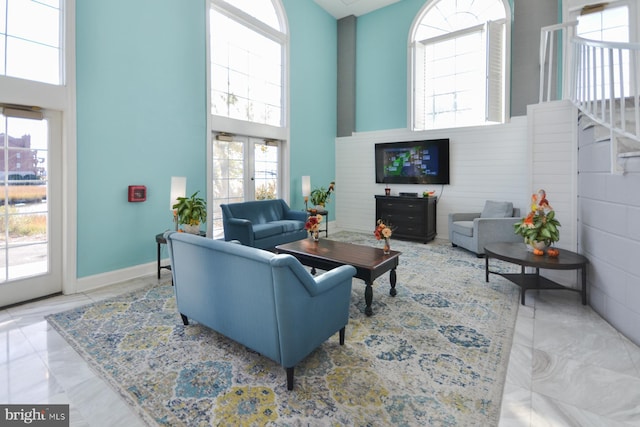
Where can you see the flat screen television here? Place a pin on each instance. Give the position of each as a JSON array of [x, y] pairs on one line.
[[413, 162]]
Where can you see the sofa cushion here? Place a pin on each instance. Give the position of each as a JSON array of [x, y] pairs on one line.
[[258, 211], [289, 225], [464, 228], [262, 231], [497, 209]]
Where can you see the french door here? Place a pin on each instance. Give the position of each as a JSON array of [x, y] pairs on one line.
[[242, 168], [30, 206]]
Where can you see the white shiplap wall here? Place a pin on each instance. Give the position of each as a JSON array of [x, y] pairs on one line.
[[487, 163], [553, 140]]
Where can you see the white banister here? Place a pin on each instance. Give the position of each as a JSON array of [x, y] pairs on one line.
[[600, 78]]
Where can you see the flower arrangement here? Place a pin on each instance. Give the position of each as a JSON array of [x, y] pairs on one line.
[[313, 223], [540, 225], [383, 231], [320, 196]]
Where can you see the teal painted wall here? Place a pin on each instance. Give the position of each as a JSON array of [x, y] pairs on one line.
[[313, 77], [141, 98], [141, 119], [381, 66]]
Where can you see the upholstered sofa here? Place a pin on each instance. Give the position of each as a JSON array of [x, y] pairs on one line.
[[269, 303], [473, 231], [262, 223]]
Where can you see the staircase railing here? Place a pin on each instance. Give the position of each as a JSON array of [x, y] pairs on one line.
[[601, 78]]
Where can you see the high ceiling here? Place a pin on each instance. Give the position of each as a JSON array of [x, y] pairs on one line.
[[341, 8]]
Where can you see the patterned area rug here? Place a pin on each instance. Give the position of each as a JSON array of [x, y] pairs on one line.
[[436, 354]]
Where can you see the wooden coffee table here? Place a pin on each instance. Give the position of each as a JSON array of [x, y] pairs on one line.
[[370, 263]]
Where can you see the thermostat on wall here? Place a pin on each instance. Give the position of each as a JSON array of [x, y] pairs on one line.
[[137, 193]]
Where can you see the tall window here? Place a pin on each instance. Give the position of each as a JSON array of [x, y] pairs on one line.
[[459, 72], [248, 45], [247, 61], [30, 40]]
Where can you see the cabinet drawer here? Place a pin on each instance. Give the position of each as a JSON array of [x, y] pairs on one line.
[[401, 208]]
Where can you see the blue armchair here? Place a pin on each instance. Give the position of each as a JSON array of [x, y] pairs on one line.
[[267, 302]]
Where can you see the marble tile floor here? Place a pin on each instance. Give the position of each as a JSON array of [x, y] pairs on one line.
[[568, 367]]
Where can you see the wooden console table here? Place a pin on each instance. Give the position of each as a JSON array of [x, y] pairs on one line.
[[517, 253]]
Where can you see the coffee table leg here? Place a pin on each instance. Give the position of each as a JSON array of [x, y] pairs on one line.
[[584, 285], [392, 279], [486, 268], [368, 298]]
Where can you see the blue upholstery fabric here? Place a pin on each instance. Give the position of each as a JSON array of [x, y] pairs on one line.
[[267, 302], [262, 223]]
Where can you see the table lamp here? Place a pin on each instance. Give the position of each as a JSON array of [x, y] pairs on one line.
[[178, 189], [306, 190]]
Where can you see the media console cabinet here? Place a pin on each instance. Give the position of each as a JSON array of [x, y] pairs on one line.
[[412, 218]]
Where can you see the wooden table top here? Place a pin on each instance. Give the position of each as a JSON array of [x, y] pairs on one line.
[[517, 253], [340, 252]]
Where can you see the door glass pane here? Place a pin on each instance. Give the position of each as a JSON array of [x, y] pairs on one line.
[[228, 179], [266, 171], [23, 198]]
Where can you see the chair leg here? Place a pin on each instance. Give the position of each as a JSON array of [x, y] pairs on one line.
[[185, 319], [290, 378], [342, 335]]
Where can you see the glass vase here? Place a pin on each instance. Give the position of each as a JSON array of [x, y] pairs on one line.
[[315, 236], [387, 246]]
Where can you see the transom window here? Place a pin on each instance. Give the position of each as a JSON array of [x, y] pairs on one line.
[[247, 66], [459, 64], [30, 40]]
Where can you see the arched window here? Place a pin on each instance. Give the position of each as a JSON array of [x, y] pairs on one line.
[[247, 48], [458, 64]]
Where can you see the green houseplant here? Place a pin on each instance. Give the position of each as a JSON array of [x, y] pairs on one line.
[[540, 226], [320, 196], [190, 212]]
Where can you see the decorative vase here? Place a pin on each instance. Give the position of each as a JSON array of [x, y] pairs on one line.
[[534, 244], [315, 235], [387, 246], [191, 229]]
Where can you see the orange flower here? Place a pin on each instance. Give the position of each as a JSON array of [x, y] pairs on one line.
[[382, 231]]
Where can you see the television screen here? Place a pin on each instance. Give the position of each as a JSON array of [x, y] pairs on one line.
[[413, 162]]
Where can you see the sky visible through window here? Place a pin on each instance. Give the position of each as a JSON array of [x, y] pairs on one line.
[[30, 40]]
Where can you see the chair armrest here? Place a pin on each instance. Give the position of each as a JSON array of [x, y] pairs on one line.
[[332, 278], [239, 229], [469, 216], [314, 285], [296, 215], [495, 230]]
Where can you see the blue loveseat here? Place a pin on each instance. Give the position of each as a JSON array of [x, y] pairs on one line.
[[267, 302], [262, 223]]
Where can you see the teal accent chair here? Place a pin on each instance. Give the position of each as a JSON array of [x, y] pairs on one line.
[[269, 303]]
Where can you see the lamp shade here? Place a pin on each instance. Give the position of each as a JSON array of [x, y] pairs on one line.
[[178, 189], [306, 186]]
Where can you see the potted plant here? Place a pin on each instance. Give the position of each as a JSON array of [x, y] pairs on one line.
[[320, 196], [190, 212], [540, 227]]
